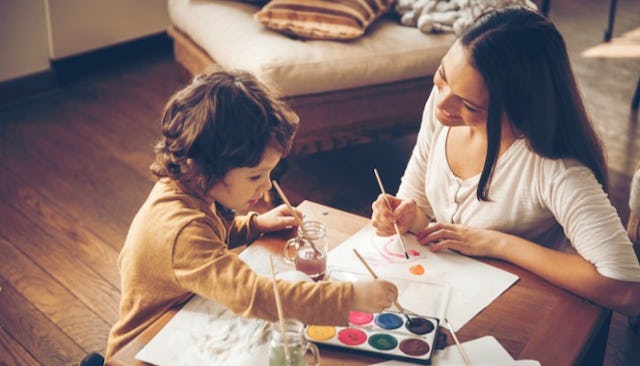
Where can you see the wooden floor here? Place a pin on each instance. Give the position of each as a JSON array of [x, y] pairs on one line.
[[73, 171]]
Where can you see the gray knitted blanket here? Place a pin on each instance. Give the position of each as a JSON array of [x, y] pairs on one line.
[[432, 16]]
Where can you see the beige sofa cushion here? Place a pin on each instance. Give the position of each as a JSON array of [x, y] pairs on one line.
[[228, 32]]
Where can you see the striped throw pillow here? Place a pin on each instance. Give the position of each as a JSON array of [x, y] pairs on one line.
[[322, 19]]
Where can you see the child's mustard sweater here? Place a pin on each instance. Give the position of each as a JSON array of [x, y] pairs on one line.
[[176, 247]]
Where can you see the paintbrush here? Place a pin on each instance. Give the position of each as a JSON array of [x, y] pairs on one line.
[[287, 353], [295, 213], [375, 277], [284, 199], [455, 339], [395, 224]]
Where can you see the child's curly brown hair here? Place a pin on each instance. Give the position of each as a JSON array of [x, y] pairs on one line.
[[221, 121]]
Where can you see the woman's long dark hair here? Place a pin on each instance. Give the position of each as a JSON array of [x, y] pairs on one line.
[[524, 62]]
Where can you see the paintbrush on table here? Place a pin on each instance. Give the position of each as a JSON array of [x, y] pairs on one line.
[[395, 224], [467, 362]]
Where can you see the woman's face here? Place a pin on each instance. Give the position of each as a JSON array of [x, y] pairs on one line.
[[462, 95], [242, 187]]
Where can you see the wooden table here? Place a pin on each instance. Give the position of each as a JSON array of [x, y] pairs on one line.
[[532, 319]]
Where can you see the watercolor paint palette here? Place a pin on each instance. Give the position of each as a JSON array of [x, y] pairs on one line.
[[387, 335]]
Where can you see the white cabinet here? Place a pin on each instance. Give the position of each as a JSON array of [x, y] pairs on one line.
[[23, 38], [78, 26], [33, 32]]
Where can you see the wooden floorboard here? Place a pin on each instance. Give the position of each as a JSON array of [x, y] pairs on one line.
[[38, 215], [60, 260], [12, 353], [48, 283], [53, 326], [74, 170], [84, 207]]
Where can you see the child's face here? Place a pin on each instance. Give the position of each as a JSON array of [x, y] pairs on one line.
[[241, 188]]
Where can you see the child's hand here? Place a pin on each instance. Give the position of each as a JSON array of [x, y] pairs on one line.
[[373, 296], [276, 219]]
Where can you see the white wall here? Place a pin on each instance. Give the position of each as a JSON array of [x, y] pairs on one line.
[[33, 32], [23, 38]]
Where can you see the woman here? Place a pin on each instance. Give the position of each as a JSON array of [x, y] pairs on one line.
[[509, 166]]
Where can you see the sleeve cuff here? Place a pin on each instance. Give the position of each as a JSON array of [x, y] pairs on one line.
[[253, 229]]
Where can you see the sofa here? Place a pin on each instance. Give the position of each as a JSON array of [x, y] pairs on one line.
[[346, 91]]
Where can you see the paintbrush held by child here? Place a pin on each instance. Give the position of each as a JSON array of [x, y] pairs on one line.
[[222, 135]]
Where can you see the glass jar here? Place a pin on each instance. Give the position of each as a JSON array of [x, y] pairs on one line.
[[296, 348], [309, 250]]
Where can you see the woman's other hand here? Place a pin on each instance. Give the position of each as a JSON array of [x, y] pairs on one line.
[[462, 238]]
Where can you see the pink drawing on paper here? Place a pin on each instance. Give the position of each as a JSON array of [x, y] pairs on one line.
[[388, 250]]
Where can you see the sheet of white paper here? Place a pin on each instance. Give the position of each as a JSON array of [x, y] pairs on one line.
[[474, 284], [433, 305], [206, 333], [257, 258], [480, 350], [485, 351]]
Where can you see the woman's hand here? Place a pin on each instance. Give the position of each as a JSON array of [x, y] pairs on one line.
[[463, 239], [403, 212], [281, 217]]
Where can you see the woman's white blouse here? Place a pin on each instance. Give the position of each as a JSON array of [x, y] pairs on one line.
[[634, 195], [536, 198]]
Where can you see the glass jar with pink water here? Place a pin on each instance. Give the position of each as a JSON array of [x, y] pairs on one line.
[[309, 249]]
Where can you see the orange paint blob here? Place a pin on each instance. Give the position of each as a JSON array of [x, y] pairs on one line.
[[418, 269]]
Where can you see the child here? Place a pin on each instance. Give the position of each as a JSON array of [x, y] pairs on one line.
[[222, 135], [508, 163]]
